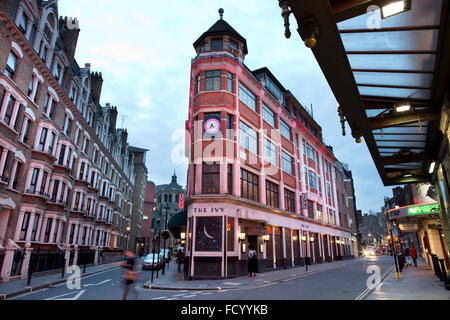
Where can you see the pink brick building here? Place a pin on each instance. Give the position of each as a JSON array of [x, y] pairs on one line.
[[259, 173], [68, 187]]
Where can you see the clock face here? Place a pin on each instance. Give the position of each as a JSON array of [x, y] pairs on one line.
[[212, 125]]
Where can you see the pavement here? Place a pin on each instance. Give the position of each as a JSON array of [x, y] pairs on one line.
[[340, 280], [17, 287], [414, 284]]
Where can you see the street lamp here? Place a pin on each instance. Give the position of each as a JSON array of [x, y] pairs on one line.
[[165, 238]]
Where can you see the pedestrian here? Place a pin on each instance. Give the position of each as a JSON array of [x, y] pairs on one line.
[[180, 259], [408, 257], [130, 274], [413, 253], [252, 261]]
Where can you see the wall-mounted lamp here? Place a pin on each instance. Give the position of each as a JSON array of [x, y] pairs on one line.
[[303, 238], [183, 236], [128, 228], [295, 238], [242, 236], [244, 247], [261, 248], [266, 237], [311, 239]]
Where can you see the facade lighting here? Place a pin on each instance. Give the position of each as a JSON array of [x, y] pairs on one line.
[[242, 236], [304, 238], [266, 237], [183, 236], [394, 8]]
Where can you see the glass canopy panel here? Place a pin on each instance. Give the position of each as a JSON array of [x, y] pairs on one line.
[[396, 150], [410, 165], [395, 92], [401, 144], [396, 79], [391, 40], [421, 62], [422, 13], [373, 112]]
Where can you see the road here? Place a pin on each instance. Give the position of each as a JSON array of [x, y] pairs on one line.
[[339, 283]]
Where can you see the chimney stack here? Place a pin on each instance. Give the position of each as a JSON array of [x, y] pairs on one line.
[[96, 86], [112, 119]]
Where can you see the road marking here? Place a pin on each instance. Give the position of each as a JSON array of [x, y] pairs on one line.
[[159, 298], [232, 283], [205, 293], [192, 295], [365, 292], [97, 284], [171, 299], [66, 294], [179, 295]]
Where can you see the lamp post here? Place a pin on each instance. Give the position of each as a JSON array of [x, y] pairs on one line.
[[153, 257], [394, 251], [165, 238]]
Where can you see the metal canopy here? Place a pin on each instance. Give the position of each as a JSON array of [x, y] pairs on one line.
[[374, 65]]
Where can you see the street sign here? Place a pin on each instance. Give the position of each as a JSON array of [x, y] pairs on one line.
[[181, 201], [304, 200]]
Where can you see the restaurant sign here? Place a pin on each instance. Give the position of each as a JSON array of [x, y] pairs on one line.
[[423, 209]]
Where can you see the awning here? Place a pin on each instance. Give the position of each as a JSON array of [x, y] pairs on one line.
[[177, 224], [389, 76]]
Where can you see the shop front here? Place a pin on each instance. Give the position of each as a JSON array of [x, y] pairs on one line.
[[220, 235]]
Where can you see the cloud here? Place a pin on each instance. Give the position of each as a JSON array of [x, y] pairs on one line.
[[144, 52]]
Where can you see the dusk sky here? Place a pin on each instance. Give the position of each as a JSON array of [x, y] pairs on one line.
[[144, 50]]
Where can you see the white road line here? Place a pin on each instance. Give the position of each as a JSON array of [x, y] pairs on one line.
[[193, 295], [97, 284], [205, 293], [171, 299], [159, 298], [66, 294], [179, 295]]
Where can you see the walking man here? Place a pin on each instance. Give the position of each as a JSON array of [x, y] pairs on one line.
[[180, 259], [252, 261], [413, 253]]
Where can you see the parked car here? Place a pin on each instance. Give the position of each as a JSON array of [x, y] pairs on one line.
[[152, 263]]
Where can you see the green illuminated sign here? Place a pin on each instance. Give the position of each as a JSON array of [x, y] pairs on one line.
[[423, 209]]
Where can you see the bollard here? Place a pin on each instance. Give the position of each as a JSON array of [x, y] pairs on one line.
[[29, 276], [444, 274], [437, 267], [84, 268]]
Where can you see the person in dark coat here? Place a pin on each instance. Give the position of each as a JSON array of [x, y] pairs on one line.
[[252, 261]]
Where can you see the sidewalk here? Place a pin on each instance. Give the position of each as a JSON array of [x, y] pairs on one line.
[[16, 287], [174, 281], [415, 284]]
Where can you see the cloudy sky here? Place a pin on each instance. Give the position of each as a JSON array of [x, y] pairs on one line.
[[144, 52]]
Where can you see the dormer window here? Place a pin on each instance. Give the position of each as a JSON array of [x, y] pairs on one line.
[[11, 65], [216, 44], [47, 33], [23, 23], [233, 44]]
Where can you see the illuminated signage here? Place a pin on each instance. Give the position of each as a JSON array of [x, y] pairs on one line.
[[423, 209]]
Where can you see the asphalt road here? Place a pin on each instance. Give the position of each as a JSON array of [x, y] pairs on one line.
[[342, 283]]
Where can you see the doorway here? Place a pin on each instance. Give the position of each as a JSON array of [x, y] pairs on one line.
[[253, 242]]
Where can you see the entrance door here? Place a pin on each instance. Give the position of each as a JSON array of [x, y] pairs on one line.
[[253, 242]]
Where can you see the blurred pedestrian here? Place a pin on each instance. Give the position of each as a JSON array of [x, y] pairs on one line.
[[180, 259], [130, 274], [413, 253], [408, 257]]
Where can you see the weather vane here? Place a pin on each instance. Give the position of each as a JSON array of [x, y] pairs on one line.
[[221, 11]]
